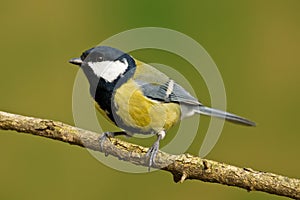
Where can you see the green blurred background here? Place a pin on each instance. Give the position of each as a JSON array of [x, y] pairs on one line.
[[254, 43]]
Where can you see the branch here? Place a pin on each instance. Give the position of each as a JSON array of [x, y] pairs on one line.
[[182, 167]]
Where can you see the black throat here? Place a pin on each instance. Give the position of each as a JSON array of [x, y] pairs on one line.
[[102, 91]]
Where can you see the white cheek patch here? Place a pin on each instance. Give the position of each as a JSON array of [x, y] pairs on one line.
[[109, 70]]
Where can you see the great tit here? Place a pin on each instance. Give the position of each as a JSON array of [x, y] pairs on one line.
[[137, 97]]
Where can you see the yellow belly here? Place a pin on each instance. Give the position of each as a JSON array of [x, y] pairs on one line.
[[142, 113]]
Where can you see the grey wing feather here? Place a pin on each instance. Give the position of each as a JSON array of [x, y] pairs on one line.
[[162, 92], [156, 85], [182, 96]]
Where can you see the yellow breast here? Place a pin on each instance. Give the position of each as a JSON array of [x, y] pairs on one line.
[[140, 112]]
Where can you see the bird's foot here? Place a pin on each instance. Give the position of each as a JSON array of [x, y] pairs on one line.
[[107, 135], [151, 154], [152, 151]]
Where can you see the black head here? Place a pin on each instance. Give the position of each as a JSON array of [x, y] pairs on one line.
[[105, 63]]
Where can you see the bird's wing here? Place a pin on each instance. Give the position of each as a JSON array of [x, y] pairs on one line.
[[156, 85]]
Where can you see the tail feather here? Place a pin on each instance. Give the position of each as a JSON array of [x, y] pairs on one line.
[[225, 115]]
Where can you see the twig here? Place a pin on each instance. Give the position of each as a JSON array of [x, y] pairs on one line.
[[182, 167]]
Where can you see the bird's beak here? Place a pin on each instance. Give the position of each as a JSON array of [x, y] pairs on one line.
[[76, 61]]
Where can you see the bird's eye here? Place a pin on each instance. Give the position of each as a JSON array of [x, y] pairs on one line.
[[99, 59]]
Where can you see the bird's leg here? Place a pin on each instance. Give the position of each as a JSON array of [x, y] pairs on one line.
[[106, 135], [152, 151]]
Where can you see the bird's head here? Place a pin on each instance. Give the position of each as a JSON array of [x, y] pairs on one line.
[[106, 63]]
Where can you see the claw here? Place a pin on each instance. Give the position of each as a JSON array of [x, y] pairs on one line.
[[103, 137], [107, 135], [151, 154], [152, 151]]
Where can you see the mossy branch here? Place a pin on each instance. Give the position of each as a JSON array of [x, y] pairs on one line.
[[182, 167]]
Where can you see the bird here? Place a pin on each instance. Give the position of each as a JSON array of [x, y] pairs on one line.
[[138, 98]]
